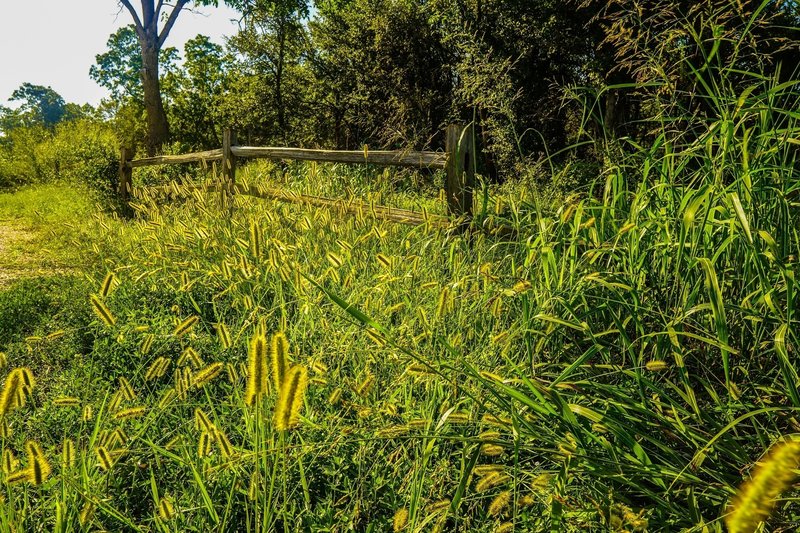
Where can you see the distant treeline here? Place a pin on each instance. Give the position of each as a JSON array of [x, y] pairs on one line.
[[535, 76]]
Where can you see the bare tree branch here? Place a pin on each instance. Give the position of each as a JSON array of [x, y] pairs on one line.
[[158, 9], [137, 22], [171, 21]]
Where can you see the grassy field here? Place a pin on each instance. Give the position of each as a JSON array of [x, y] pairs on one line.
[[619, 363]]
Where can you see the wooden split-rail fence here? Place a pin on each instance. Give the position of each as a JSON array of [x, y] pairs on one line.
[[458, 160]]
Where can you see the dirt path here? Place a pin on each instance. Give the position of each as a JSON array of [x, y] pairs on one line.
[[20, 255]]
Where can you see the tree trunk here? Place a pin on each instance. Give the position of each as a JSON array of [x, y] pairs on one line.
[[279, 81], [157, 127]]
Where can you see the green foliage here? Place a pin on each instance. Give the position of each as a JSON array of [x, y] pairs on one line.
[[81, 151]]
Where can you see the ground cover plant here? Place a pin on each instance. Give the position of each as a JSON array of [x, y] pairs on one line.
[[616, 360]]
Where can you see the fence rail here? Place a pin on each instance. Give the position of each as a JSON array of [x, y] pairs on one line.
[[458, 160]]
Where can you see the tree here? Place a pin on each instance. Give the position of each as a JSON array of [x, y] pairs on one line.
[[151, 41], [195, 93], [40, 105], [273, 36]]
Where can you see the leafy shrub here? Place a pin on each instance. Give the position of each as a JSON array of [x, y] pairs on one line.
[[81, 151]]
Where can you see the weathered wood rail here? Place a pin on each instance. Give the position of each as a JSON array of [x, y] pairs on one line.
[[458, 161]]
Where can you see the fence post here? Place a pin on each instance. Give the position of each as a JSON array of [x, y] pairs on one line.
[[125, 184], [460, 170]]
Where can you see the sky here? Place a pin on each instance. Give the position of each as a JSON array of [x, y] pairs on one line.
[[54, 42]]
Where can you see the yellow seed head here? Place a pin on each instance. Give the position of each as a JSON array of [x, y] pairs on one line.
[[437, 506], [204, 445], [290, 398], [131, 412], [18, 476], [656, 365], [365, 386], [499, 503], [206, 374], [67, 453], [256, 370], [37, 463], [126, 390], [279, 359], [147, 343], [185, 326], [106, 461], [67, 401], [86, 513], [484, 470], [491, 480], [11, 388], [165, 509], [225, 446], [335, 396], [224, 336], [505, 527], [10, 462], [88, 413], [103, 312], [202, 421], [109, 282], [400, 520], [755, 499]]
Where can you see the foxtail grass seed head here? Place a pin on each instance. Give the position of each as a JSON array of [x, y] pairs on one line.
[[102, 312], [224, 336], [131, 412], [86, 514], [499, 503], [18, 385], [37, 463], [157, 369], [526, 501], [109, 282], [335, 396], [491, 480], [256, 370], [202, 421], [223, 443], [290, 398], [255, 239], [755, 499], [204, 445], [67, 401], [166, 511], [492, 450], [206, 374], [365, 386], [10, 462], [147, 343], [505, 527], [190, 356], [126, 390], [485, 470], [279, 359], [87, 414], [400, 520], [19, 476], [3, 360], [656, 365], [68, 454], [104, 458], [5, 429], [437, 506], [185, 326]]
